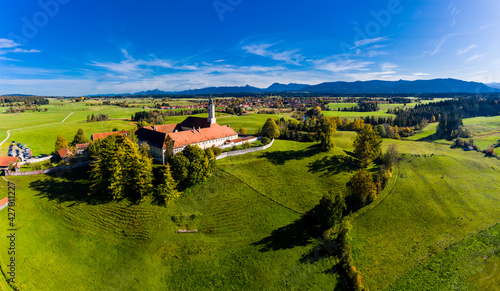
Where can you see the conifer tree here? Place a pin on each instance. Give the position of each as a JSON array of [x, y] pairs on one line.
[[165, 189]]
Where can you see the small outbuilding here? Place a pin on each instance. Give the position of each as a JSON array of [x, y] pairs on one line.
[[64, 153], [81, 148]]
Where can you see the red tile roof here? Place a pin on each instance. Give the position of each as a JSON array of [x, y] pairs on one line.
[[167, 128], [5, 161], [97, 136], [215, 131], [63, 152], [4, 201]]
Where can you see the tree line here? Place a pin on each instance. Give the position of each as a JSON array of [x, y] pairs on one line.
[[97, 117], [463, 108], [123, 170], [36, 100], [159, 117]]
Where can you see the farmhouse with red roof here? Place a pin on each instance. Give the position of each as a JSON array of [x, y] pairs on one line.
[[6, 161]]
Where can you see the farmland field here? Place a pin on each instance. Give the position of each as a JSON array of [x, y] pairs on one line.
[[39, 130], [440, 213]]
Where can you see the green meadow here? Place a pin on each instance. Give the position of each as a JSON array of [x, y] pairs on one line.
[[39, 130], [434, 228], [246, 237], [436, 202], [352, 115]]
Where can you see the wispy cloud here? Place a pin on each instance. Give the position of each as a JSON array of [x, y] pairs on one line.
[[421, 74], [388, 66], [488, 26], [263, 49], [132, 66], [463, 51], [440, 43], [342, 65], [19, 50], [367, 41], [7, 43], [9, 46], [474, 57]]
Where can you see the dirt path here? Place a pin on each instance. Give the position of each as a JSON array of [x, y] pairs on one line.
[[8, 135], [67, 117]]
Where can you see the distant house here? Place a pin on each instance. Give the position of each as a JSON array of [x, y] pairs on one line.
[[4, 203], [81, 148], [97, 136], [6, 161], [64, 153], [203, 132], [468, 148]]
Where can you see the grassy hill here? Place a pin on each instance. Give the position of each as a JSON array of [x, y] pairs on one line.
[[436, 202], [246, 237]]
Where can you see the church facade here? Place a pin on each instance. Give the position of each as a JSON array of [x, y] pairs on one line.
[[203, 132]]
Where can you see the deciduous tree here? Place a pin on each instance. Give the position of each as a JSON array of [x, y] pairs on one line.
[[61, 142], [326, 131], [329, 210], [270, 129], [191, 166], [362, 189], [367, 144]]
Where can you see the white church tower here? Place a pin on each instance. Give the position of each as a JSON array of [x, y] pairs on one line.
[[211, 111]]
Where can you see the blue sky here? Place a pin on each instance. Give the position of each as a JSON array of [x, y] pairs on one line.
[[76, 47]]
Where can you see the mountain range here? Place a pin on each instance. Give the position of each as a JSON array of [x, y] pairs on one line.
[[358, 87]]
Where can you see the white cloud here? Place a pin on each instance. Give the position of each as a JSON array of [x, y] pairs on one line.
[[133, 66], [388, 66], [262, 49], [18, 50], [463, 51], [488, 26], [421, 74], [364, 42], [340, 66], [7, 43], [9, 46], [474, 57], [439, 45], [383, 73]]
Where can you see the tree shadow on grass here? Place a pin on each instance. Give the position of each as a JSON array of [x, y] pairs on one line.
[[301, 232], [280, 157], [335, 165], [72, 186]]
